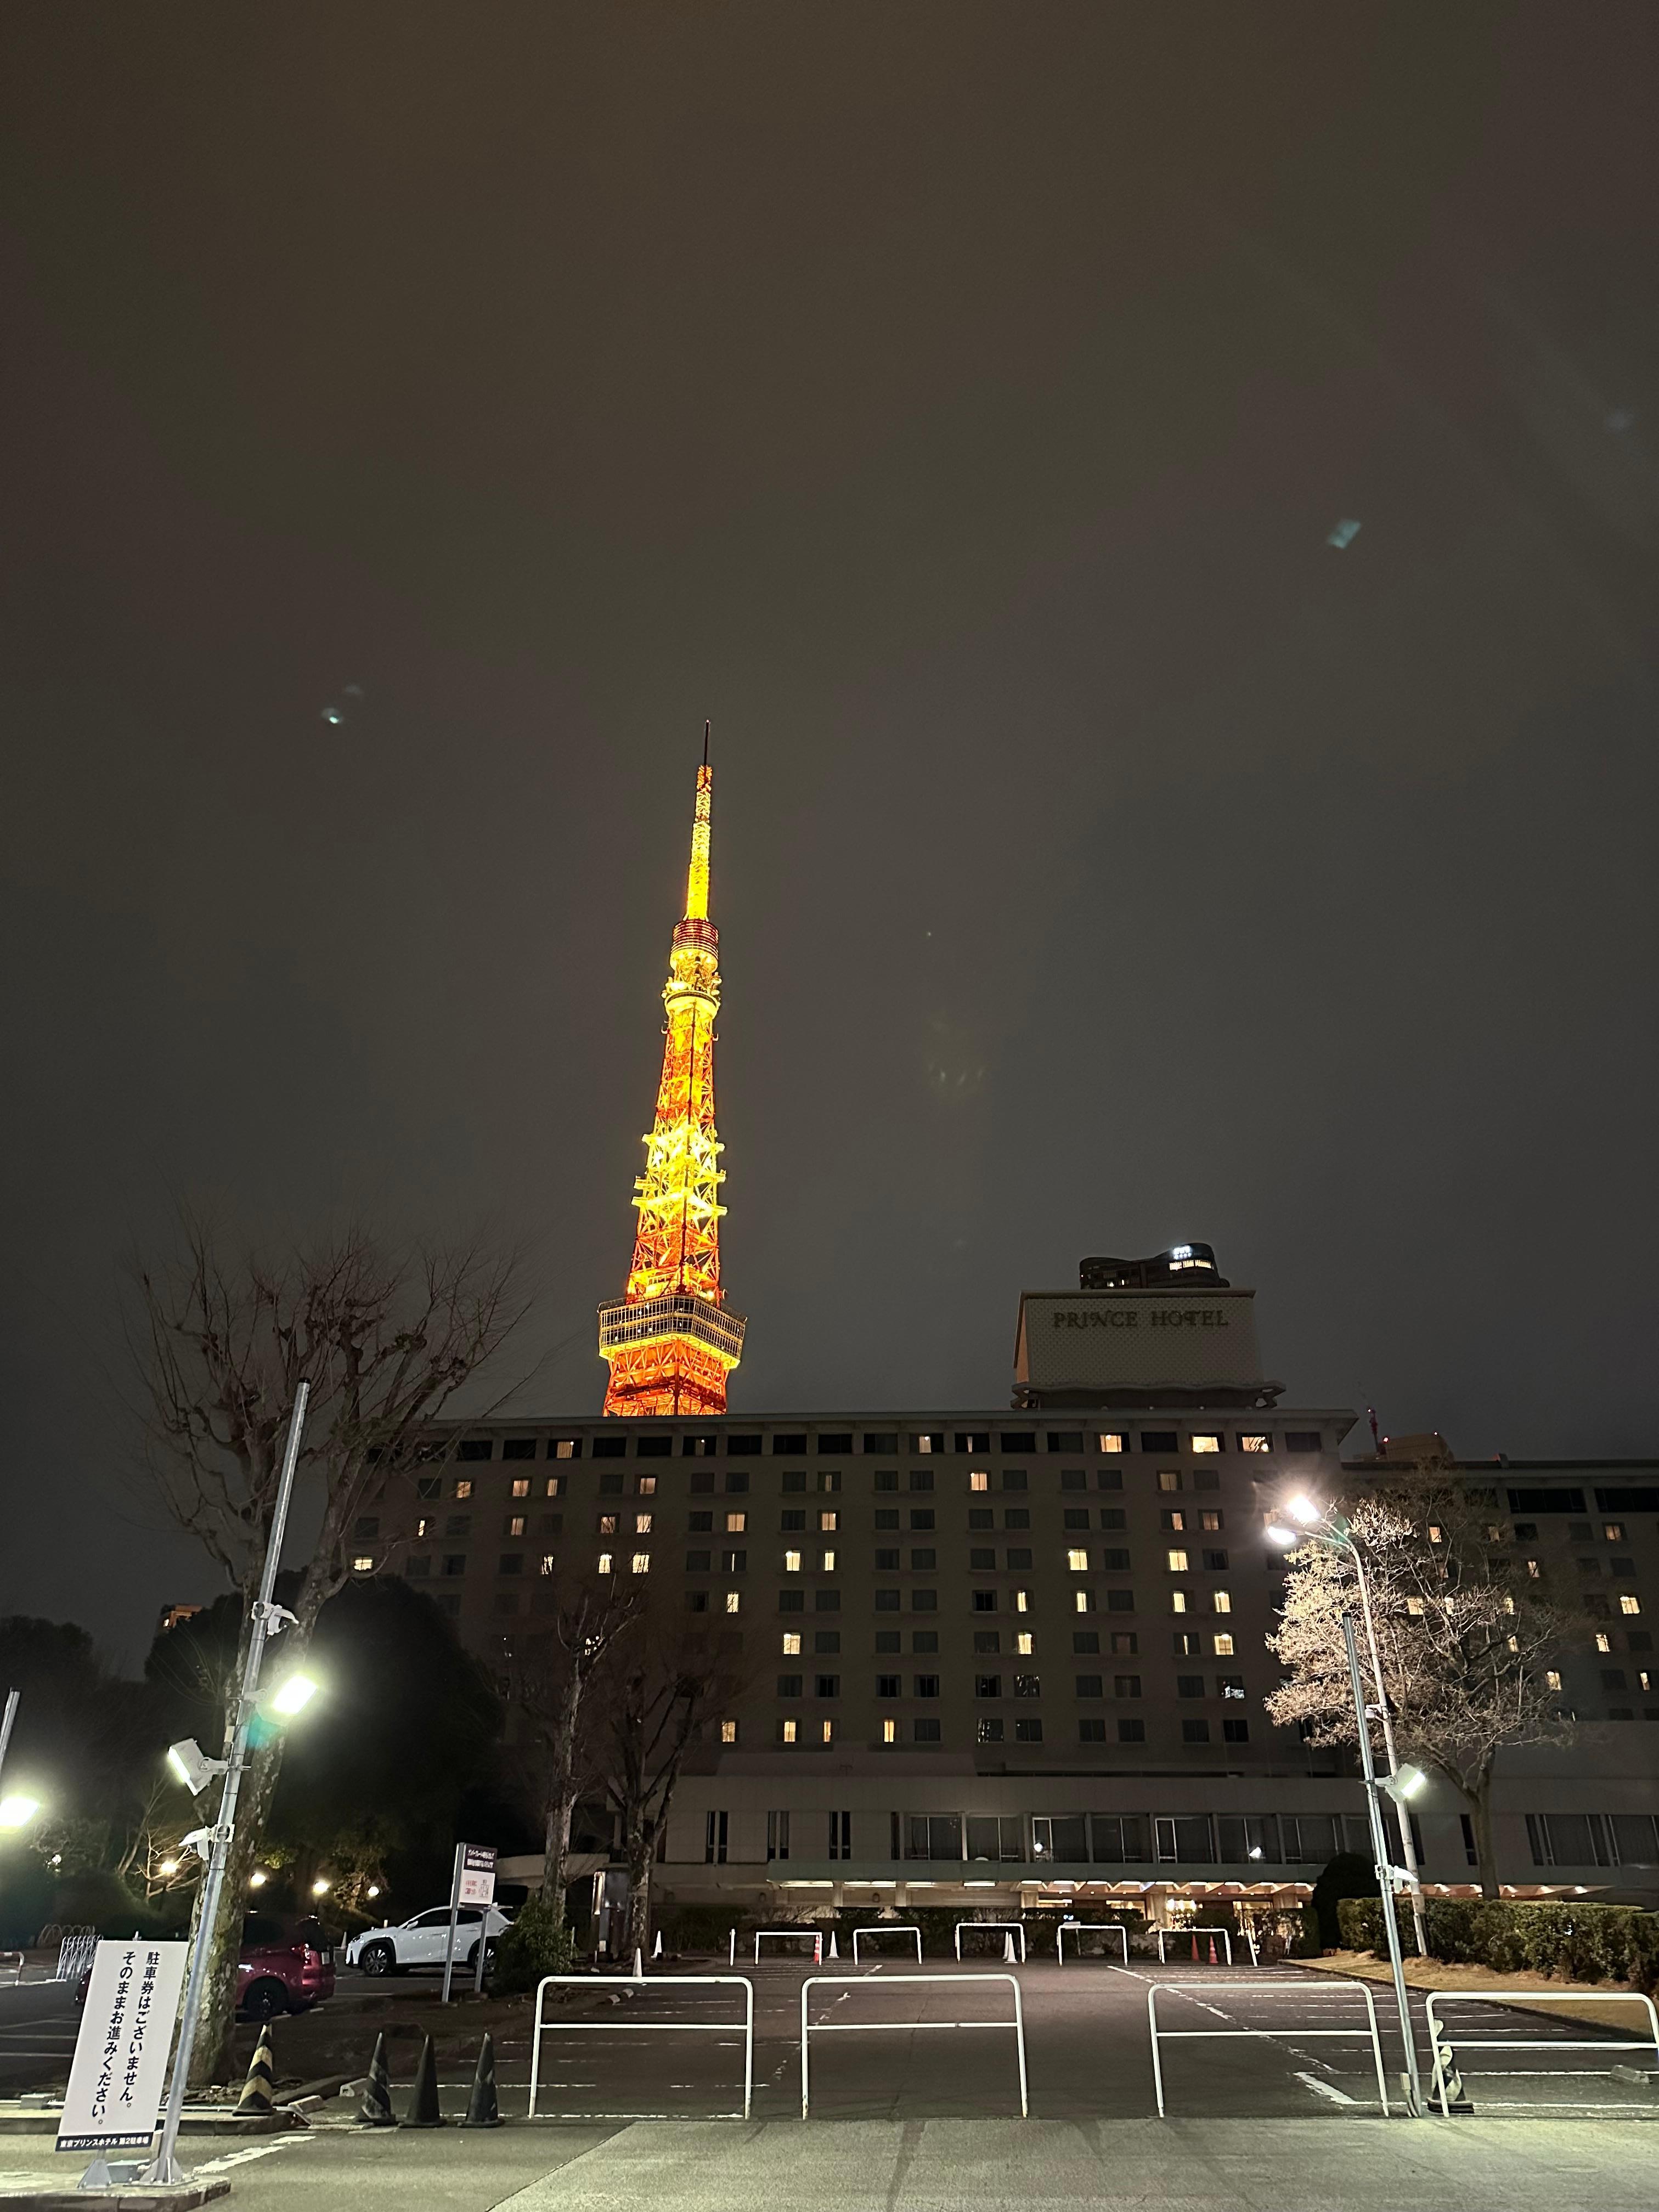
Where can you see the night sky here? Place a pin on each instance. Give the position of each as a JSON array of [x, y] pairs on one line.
[[954, 403]]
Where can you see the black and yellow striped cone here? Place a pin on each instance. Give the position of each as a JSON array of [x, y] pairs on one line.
[[482, 2109], [423, 2097], [255, 2103], [375, 2110]]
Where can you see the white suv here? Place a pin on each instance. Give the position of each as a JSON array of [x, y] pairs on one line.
[[422, 1941]]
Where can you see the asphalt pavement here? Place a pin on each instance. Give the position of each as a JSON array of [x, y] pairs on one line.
[[38, 2022]]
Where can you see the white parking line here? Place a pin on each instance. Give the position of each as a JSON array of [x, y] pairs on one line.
[[223, 2164], [1325, 2089]]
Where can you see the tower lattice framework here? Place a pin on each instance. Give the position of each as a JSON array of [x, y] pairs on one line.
[[670, 1342]]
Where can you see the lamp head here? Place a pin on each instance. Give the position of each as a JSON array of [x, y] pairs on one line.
[[1304, 1510], [17, 1811], [1287, 1538], [193, 1766], [1404, 1783], [295, 1693]]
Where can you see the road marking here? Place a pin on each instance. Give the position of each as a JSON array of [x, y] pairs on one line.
[[223, 2164], [1325, 2089]]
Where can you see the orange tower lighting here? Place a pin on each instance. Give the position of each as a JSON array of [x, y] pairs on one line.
[[670, 1342]]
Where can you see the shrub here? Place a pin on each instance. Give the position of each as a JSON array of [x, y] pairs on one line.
[[1348, 1874], [538, 1942], [1576, 1942], [700, 1928]]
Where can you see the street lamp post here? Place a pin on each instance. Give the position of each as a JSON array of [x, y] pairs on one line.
[[1334, 1529], [1384, 1869], [268, 1618]]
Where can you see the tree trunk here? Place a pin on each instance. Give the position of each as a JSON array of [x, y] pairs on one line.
[[1480, 1801], [211, 2060], [641, 1841], [561, 1799]]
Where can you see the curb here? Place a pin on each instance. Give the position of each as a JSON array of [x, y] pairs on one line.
[[126, 2198]]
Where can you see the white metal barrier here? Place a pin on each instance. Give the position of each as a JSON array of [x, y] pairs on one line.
[[1226, 1934], [1262, 1989], [904, 2027], [1444, 2050], [890, 1927], [999, 1927], [1094, 1927], [75, 1953], [15, 1960], [545, 2026], [811, 1935]]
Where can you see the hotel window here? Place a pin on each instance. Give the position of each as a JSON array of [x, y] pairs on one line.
[[1210, 1520], [978, 1478], [1207, 1444], [791, 1643], [1175, 1523], [1603, 1641], [1627, 1603], [1169, 1479], [645, 1485], [1533, 1570], [1552, 1681], [829, 1563], [987, 1729], [1075, 1516], [1083, 1600], [729, 1734], [1256, 1443], [1221, 1602], [1025, 1731], [605, 1564], [889, 1731], [734, 1602], [931, 1442], [1131, 1731], [607, 1524], [987, 1686], [521, 1486], [737, 1524], [1216, 1562], [1126, 1685], [889, 1685], [792, 1563], [1414, 1607], [363, 1564], [641, 1563], [793, 1521], [549, 1562], [829, 1522], [788, 1729], [1176, 1562], [984, 1600], [827, 1733], [641, 1524], [1024, 1644], [1223, 1646], [1194, 1731], [463, 1487], [714, 1839], [1078, 1562], [1612, 1532], [1110, 1443], [515, 1524], [1022, 1601], [1177, 1601], [565, 1448]]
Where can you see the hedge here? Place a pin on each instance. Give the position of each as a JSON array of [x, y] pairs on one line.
[[1578, 1942]]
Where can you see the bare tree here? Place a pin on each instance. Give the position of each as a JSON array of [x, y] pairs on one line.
[[662, 1689], [1469, 1642], [222, 1340], [549, 1675]]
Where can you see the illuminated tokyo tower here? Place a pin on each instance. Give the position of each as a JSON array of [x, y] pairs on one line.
[[670, 1340]]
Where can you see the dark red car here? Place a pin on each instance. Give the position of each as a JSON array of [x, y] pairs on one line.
[[287, 1965]]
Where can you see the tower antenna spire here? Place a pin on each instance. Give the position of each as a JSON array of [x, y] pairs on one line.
[[670, 1340]]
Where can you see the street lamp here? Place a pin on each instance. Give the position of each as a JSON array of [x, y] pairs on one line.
[[17, 1811], [1315, 1524]]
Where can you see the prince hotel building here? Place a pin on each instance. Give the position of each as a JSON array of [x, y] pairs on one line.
[[1002, 1658]]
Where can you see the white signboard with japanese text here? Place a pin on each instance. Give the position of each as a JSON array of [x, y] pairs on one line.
[[477, 1874], [120, 2074]]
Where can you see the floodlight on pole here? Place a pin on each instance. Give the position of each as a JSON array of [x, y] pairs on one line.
[[1286, 1538], [17, 1810], [193, 1766], [294, 1695], [1305, 1510]]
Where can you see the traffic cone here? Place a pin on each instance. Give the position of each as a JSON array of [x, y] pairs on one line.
[[482, 2110], [639, 1964], [656, 1948], [1010, 1956], [423, 2097], [1195, 1958], [255, 2104], [834, 1952], [1213, 1958], [375, 2110]]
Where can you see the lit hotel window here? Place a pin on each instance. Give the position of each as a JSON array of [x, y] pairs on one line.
[[604, 1563], [1022, 1601], [564, 1448], [362, 1564], [1629, 1604], [521, 1487], [829, 1563], [734, 1600], [792, 1563], [1078, 1562], [646, 1486], [1552, 1680], [1177, 1561], [1169, 1478], [554, 1485], [515, 1524], [1223, 1647], [889, 1731], [1206, 1444], [829, 1731], [1256, 1443], [828, 1523], [978, 1478], [1024, 1644], [641, 1524], [1110, 1443], [464, 1488], [1612, 1532], [1414, 1607], [1083, 1600], [735, 1524], [607, 1524], [549, 1560], [1220, 1601], [791, 1643], [789, 1731], [1177, 1601], [1603, 1641], [728, 1731], [641, 1563]]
